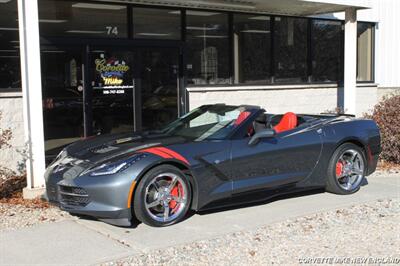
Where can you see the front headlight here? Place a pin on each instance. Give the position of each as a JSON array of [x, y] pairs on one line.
[[62, 155], [113, 168]]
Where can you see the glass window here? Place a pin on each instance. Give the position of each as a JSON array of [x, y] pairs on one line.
[[165, 23], [365, 51], [326, 50], [10, 72], [208, 56], [66, 18], [290, 49], [252, 43], [62, 92]]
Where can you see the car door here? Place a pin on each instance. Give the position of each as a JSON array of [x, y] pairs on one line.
[[286, 158]]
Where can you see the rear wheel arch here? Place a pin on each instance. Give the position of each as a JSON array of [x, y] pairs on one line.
[[358, 143]]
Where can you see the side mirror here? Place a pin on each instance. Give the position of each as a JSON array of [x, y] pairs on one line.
[[266, 133]]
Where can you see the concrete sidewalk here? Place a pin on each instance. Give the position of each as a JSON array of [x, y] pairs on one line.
[[91, 242]]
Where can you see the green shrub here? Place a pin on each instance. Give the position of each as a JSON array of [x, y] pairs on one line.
[[387, 115]]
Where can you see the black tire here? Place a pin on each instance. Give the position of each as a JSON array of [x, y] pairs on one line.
[[332, 184], [139, 208]]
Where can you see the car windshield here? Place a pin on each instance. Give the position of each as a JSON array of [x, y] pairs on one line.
[[210, 122]]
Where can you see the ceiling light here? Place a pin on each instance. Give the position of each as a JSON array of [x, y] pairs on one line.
[[212, 36], [4, 1], [98, 6], [195, 13], [201, 28], [220, 4], [14, 41], [52, 20], [152, 34], [53, 51], [86, 31], [256, 31], [261, 18], [8, 28]]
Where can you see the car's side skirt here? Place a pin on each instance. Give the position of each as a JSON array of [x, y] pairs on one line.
[[261, 196]]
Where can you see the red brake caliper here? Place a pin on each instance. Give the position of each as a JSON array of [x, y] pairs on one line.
[[175, 192], [339, 168]]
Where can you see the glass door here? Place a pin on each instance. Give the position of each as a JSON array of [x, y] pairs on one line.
[[112, 84], [62, 92], [133, 89]]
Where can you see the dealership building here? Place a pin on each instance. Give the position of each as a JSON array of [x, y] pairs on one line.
[[73, 69]]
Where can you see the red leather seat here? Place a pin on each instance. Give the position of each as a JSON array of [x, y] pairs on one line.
[[241, 118], [288, 122]]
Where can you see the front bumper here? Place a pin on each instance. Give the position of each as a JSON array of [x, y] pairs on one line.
[[102, 197]]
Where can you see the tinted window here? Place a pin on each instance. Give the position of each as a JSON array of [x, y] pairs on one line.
[[165, 23], [365, 55], [207, 48], [10, 75], [290, 49], [326, 45], [66, 18], [62, 92], [252, 42]]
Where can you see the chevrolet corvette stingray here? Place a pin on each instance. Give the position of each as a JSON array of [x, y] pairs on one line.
[[214, 156]]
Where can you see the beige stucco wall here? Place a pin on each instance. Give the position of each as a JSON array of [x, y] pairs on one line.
[[385, 91], [12, 117], [279, 99]]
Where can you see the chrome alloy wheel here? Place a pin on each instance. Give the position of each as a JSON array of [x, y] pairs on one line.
[[166, 197], [350, 169]]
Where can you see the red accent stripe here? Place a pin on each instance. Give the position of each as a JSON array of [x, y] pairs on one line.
[[166, 154], [156, 151], [174, 154]]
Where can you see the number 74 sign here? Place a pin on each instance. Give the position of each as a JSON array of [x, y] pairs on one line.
[[112, 30]]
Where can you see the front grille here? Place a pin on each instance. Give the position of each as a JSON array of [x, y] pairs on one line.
[[51, 192], [73, 196]]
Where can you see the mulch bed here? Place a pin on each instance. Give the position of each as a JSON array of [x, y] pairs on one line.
[[11, 193], [17, 199]]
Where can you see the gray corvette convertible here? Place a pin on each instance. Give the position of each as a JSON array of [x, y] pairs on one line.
[[215, 156]]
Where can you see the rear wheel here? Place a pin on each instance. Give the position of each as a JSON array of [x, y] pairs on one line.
[[346, 170], [162, 197]]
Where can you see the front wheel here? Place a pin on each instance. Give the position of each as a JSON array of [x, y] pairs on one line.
[[346, 170], [162, 197]]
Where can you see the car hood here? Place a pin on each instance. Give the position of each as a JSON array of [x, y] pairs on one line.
[[103, 148]]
